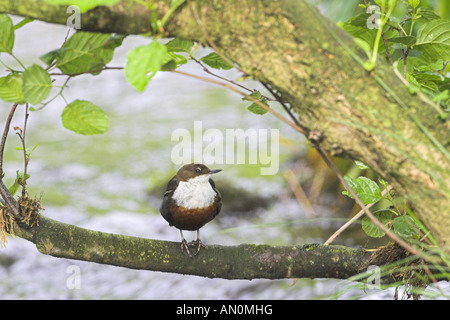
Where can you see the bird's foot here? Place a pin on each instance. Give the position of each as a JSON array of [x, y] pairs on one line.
[[185, 247], [199, 245]]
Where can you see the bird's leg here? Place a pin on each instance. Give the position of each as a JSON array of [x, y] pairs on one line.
[[184, 244], [198, 243]]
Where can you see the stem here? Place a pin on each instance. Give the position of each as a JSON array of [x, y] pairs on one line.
[[5, 135]]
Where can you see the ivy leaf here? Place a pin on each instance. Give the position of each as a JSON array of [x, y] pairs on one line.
[[433, 40], [215, 61], [367, 190], [144, 62], [384, 216], [85, 52], [11, 89], [36, 84], [84, 5], [84, 117], [6, 34]]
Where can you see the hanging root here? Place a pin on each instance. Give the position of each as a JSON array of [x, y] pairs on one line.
[[6, 225]]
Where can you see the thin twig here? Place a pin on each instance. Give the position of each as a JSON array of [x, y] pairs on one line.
[[26, 159], [259, 103], [299, 193], [349, 222], [4, 136]]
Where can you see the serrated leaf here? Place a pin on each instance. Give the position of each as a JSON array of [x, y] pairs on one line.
[[36, 84], [215, 61], [86, 52], [6, 33], [179, 45], [84, 5], [11, 89], [384, 216], [433, 40], [144, 62], [84, 117], [367, 190]]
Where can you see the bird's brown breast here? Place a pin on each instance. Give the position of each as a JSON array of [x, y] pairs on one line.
[[192, 219]]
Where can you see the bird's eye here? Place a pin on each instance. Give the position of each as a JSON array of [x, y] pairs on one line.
[[198, 169]]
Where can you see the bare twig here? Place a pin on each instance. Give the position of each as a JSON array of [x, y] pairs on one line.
[[349, 222], [259, 103], [4, 136], [299, 193]]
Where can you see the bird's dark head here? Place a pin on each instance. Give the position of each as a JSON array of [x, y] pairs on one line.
[[194, 170]]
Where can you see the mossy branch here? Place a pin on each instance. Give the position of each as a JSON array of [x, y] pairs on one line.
[[245, 261]]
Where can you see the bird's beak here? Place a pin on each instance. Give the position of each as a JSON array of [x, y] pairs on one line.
[[215, 171]]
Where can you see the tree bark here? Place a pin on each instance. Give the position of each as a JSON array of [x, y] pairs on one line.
[[315, 66]]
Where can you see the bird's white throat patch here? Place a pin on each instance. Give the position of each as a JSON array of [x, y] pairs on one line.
[[195, 193]]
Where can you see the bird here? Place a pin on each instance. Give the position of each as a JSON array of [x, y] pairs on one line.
[[191, 200]]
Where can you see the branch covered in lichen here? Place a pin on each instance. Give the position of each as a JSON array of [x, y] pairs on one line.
[[245, 261]]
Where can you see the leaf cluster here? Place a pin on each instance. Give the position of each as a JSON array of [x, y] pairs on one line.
[[403, 224], [415, 40]]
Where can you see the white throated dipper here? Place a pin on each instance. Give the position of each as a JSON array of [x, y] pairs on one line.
[[191, 200]]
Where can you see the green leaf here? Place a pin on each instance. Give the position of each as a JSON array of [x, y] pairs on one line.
[[257, 109], [84, 117], [17, 182], [367, 190], [179, 45], [11, 89], [361, 165], [406, 227], [384, 216], [144, 62], [84, 5], [254, 107], [49, 57], [215, 61], [433, 40], [427, 15], [85, 52], [6, 33], [414, 3], [36, 84], [406, 40]]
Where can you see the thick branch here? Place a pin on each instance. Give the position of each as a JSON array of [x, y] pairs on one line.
[[246, 261]]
